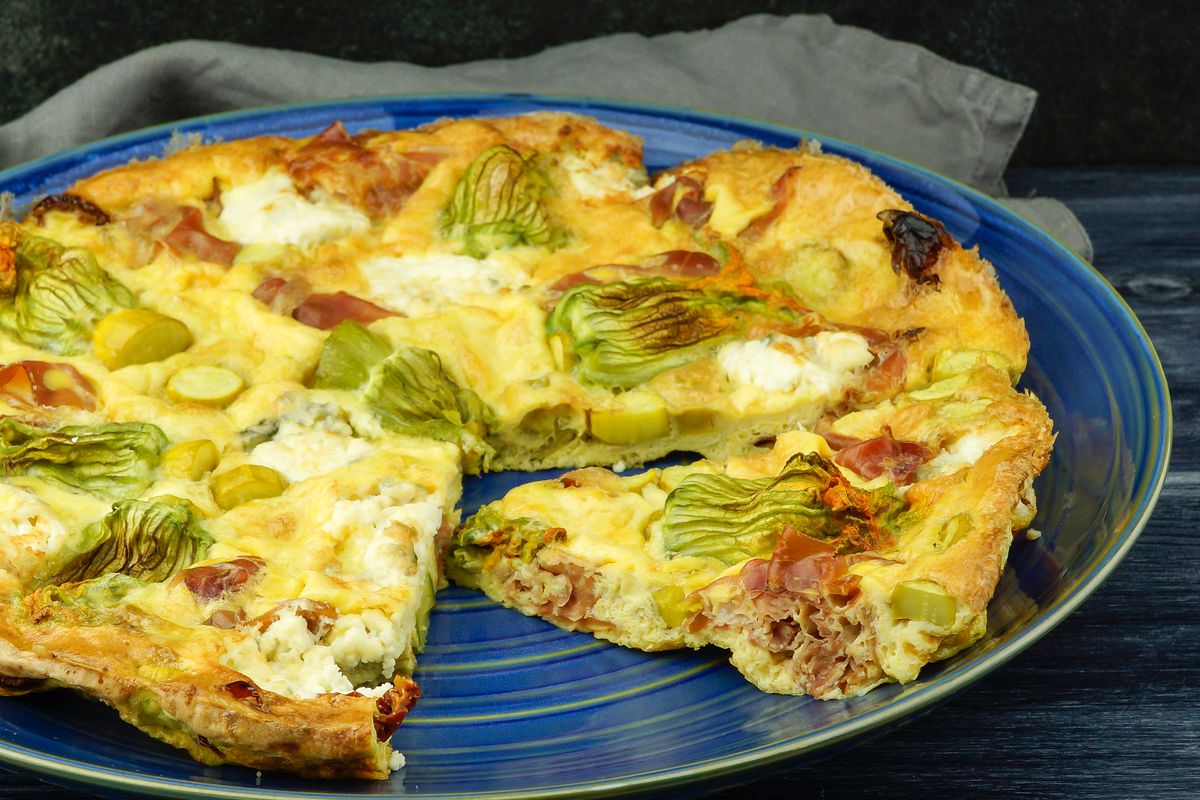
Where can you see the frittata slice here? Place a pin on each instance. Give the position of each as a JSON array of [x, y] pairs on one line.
[[234, 561], [823, 572], [279, 633]]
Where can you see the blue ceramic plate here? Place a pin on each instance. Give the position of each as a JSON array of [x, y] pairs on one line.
[[513, 707]]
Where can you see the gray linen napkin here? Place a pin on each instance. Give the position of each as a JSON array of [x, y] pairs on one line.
[[804, 71]]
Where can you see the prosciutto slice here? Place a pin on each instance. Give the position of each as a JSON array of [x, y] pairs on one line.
[[671, 264], [210, 581], [780, 193], [691, 207], [189, 236], [885, 455], [376, 179], [42, 383], [326, 311]]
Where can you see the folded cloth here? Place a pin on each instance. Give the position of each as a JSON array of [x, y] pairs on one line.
[[804, 71]]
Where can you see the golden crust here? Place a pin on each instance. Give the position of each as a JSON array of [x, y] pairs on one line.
[[187, 175], [124, 665], [990, 492]]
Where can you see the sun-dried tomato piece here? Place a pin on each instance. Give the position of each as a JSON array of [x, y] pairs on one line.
[[916, 241], [393, 706], [204, 742], [246, 691]]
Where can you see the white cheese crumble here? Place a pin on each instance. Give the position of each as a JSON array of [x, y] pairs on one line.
[[288, 659], [962, 452], [419, 285], [1026, 508], [396, 761], [596, 181], [370, 638], [385, 535], [271, 211], [819, 365], [29, 531], [387, 544], [293, 663], [301, 452]]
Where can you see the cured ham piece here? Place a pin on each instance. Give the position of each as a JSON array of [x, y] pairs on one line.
[[209, 581], [691, 207], [323, 311], [376, 179], [671, 264], [885, 455], [189, 236], [326, 311], [157, 223], [41, 383]]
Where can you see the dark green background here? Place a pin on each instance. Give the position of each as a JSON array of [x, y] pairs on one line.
[[1118, 80]]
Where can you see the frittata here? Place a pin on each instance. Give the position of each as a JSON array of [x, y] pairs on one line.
[[239, 385]]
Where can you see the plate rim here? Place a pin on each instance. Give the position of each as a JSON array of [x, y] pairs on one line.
[[924, 696]]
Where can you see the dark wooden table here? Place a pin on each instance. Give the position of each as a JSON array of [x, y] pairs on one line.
[[1108, 705]]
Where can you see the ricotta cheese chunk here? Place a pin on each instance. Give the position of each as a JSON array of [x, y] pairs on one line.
[[29, 531], [292, 662], [387, 547], [962, 452], [816, 366], [596, 180], [387, 536], [290, 659], [424, 284], [301, 452], [271, 211]]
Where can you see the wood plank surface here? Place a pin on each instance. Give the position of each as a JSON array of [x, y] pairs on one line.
[[1107, 706]]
